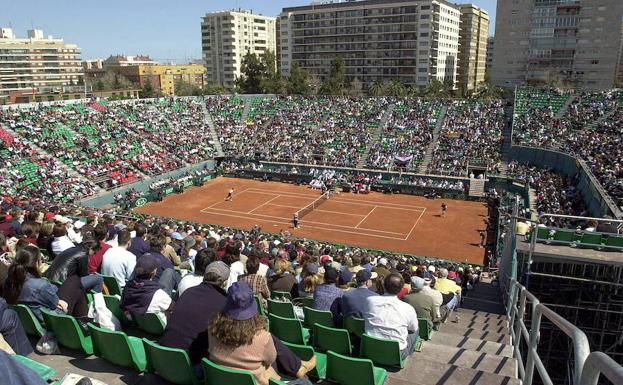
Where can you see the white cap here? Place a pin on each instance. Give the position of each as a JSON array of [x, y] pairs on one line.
[[431, 268], [62, 219], [79, 224], [383, 261]]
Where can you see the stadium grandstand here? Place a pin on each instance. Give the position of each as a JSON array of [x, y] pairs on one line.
[[263, 239]]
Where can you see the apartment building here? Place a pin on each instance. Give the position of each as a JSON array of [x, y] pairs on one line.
[[572, 43], [227, 36], [472, 47], [490, 46], [127, 60], [163, 77], [415, 41], [38, 68]]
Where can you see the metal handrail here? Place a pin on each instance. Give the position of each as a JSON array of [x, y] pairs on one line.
[[600, 363], [516, 309]]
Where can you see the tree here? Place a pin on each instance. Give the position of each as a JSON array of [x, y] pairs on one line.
[[396, 88], [336, 82], [355, 87], [115, 81], [253, 71], [99, 85], [299, 81], [375, 89], [272, 82], [147, 91], [183, 88]]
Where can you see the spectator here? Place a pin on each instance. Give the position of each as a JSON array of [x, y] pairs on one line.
[[61, 241], [426, 305], [257, 282], [95, 260], [12, 331], [283, 279], [143, 294], [354, 301], [118, 262], [328, 296], [74, 261], [139, 246], [389, 318], [188, 326], [203, 259]]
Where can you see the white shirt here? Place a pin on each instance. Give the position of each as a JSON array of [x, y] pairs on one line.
[[236, 269], [61, 244], [160, 302], [189, 280], [119, 263], [388, 317]]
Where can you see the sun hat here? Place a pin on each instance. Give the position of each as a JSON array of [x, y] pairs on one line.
[[240, 304]]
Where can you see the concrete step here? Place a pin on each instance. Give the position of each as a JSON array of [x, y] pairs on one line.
[[488, 334], [475, 325], [479, 313], [449, 339], [478, 320], [426, 372], [464, 358]]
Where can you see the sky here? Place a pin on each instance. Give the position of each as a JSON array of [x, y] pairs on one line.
[[166, 30]]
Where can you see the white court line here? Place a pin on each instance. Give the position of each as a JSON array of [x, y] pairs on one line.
[[310, 226], [322, 211], [288, 219], [415, 224], [264, 204], [344, 200], [366, 217]]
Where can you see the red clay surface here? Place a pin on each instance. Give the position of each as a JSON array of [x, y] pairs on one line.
[[399, 223]]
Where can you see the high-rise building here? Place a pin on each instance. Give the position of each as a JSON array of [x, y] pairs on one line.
[[37, 68], [415, 41], [572, 43], [490, 45], [162, 77], [227, 36], [619, 81], [472, 46]]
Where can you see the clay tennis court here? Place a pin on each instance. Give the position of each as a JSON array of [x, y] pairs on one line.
[[400, 223]]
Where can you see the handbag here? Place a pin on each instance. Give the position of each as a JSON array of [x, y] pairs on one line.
[[102, 315]]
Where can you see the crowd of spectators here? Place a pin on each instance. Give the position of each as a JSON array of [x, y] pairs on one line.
[[555, 193], [471, 132], [590, 128], [408, 133]]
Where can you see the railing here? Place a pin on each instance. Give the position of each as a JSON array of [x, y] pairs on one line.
[[587, 366]]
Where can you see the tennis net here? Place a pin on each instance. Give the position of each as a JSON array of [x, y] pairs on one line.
[[314, 205]]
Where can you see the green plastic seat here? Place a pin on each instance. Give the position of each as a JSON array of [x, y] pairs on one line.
[[337, 340], [112, 303], [260, 308], [280, 294], [272, 381], [67, 331], [591, 239], [304, 301], [354, 325], [565, 236], [614, 242], [353, 371], [43, 371], [149, 323], [112, 285], [281, 309], [542, 233], [118, 348], [31, 324], [313, 316], [305, 353], [169, 363], [288, 329], [217, 374], [382, 352], [426, 331]]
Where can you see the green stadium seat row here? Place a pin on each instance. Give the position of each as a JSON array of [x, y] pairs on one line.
[[586, 239]]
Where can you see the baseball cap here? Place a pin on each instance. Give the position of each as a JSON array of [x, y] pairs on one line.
[[220, 268], [364, 275], [330, 274], [311, 268], [417, 282], [146, 264], [345, 276], [177, 236], [383, 261]]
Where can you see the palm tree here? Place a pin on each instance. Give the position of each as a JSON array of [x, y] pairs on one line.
[[375, 88]]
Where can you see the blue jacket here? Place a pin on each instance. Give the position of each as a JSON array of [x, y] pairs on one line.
[[37, 293], [138, 246], [329, 297], [354, 301]]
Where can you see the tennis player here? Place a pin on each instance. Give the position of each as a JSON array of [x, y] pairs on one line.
[[295, 220], [230, 195], [444, 209]]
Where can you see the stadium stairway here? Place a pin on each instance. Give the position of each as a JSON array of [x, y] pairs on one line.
[[208, 121], [507, 132], [563, 110], [70, 170], [376, 136], [431, 147], [247, 108], [475, 350]]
